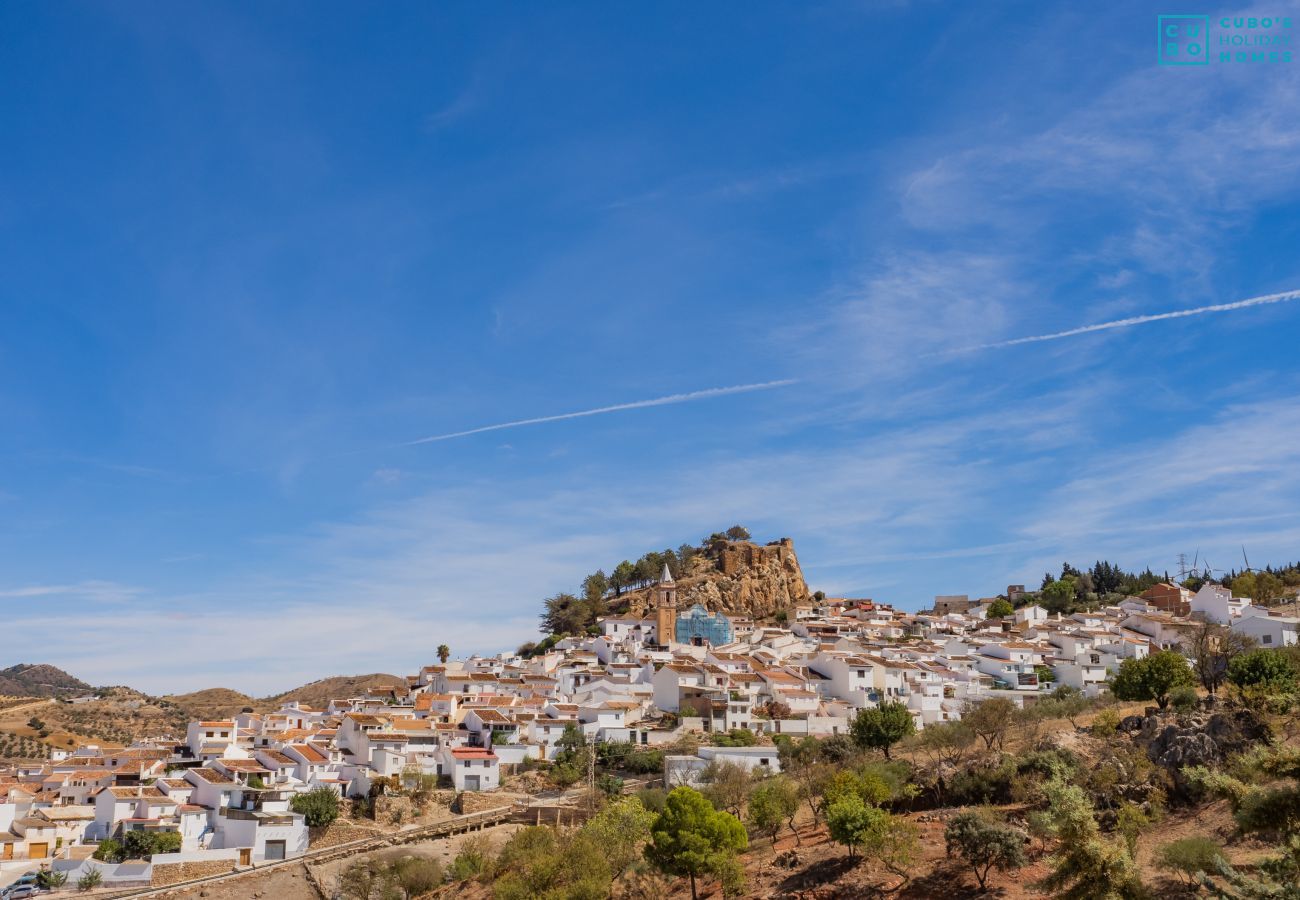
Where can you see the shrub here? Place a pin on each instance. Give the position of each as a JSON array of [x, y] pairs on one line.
[[109, 850], [474, 859], [737, 737], [91, 880], [417, 875], [1184, 698], [319, 806], [1189, 857], [984, 844], [653, 799], [773, 802], [51, 880], [1153, 677], [890, 840], [1268, 670]]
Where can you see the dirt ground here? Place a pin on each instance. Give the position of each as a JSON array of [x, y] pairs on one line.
[[290, 882]]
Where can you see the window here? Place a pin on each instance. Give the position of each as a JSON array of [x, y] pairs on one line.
[[1266, 639]]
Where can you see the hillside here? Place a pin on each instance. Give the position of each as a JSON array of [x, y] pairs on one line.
[[318, 693], [40, 680], [213, 703], [35, 714]]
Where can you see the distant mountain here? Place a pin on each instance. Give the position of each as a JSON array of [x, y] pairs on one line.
[[318, 693], [40, 680]]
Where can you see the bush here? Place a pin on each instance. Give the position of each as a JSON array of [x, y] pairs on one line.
[[653, 799], [143, 844], [1153, 677], [984, 844], [319, 806], [91, 880], [737, 737], [473, 860], [109, 851], [1183, 699], [1268, 670], [51, 880], [1189, 857]]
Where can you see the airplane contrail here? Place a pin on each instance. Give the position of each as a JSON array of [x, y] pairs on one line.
[[1283, 297], [619, 407]]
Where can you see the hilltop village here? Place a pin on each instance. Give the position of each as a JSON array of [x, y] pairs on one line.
[[690, 689]]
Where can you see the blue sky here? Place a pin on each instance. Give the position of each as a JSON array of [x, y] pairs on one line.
[[251, 253]]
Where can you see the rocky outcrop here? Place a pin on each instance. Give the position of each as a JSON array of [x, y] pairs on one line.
[[1198, 739], [739, 579]]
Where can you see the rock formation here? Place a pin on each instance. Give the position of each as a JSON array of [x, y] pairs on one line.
[[739, 579]]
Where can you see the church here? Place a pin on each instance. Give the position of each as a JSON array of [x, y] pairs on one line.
[[697, 626]]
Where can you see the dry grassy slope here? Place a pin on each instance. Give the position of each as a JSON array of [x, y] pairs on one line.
[[318, 693], [40, 680], [214, 703]]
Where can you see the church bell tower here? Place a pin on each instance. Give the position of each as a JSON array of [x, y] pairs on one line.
[[666, 609]]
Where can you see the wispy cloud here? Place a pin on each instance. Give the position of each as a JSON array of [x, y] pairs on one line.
[[670, 400], [1282, 297], [99, 591]]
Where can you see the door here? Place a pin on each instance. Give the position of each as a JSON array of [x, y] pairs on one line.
[[471, 782], [7, 852], [38, 851], [245, 856], [274, 850]]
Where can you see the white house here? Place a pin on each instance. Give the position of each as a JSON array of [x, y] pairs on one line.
[[472, 768], [1216, 603], [1269, 631]]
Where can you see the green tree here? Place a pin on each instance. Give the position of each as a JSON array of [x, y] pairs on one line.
[[1152, 678], [1086, 866], [737, 533], [444, 653], [595, 586], [1267, 670], [691, 838], [623, 577], [564, 614], [1000, 608], [1189, 858], [1262, 587], [540, 863], [318, 807], [621, 829], [984, 844], [800, 760], [1060, 595], [52, 880], [143, 844], [945, 741], [882, 727], [773, 802], [890, 840], [990, 719]]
